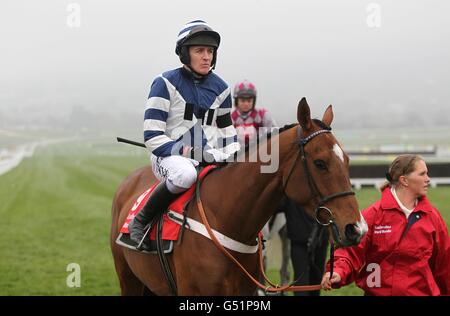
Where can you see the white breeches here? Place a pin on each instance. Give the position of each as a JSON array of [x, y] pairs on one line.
[[178, 172]]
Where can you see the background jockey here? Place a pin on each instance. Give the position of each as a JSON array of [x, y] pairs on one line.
[[247, 119], [187, 121]]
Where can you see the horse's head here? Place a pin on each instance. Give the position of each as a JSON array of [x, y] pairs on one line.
[[317, 177]]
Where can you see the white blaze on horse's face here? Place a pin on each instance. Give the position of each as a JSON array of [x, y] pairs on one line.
[[339, 152]]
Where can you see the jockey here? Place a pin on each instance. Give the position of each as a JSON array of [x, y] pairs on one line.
[[248, 119], [187, 121]]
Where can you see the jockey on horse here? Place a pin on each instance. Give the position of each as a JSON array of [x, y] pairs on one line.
[[187, 121]]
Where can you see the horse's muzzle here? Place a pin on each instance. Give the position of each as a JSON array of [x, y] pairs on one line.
[[353, 234], [351, 237]]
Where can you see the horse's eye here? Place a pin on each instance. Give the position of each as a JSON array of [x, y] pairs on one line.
[[320, 164]]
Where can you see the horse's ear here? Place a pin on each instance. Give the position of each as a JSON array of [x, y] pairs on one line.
[[328, 115], [304, 114]]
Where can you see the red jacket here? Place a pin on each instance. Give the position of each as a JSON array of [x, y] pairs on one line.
[[387, 263]]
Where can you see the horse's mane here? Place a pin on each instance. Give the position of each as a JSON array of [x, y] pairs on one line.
[[322, 124], [285, 128], [269, 135]]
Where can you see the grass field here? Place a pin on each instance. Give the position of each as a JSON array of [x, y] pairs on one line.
[[55, 210]]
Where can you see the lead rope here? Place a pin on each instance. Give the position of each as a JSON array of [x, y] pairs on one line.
[[266, 278], [331, 258]]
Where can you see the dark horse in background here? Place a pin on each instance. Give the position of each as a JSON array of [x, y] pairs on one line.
[[238, 207]]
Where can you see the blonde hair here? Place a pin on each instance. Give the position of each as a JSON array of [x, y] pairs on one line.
[[401, 166]]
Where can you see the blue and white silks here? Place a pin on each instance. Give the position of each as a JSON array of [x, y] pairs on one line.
[[183, 112]]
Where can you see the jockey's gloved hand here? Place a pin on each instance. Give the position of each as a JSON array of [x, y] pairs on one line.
[[206, 157], [218, 155]]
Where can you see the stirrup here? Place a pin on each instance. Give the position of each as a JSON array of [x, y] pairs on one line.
[[142, 243]]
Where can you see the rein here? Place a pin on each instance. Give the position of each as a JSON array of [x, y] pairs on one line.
[[321, 206], [230, 256]]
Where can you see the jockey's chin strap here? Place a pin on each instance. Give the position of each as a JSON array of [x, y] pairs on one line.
[[274, 288], [196, 75]]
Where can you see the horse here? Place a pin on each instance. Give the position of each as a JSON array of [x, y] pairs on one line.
[[313, 170]]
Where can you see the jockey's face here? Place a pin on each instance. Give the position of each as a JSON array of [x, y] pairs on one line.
[[201, 58], [245, 104]]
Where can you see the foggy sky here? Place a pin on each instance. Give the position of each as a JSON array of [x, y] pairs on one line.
[[324, 50]]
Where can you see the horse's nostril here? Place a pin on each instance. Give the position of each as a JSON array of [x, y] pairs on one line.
[[351, 232]]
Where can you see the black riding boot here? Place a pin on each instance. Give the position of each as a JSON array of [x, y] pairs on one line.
[[157, 203]]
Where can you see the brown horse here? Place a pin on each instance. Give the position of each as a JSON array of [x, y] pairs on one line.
[[238, 200]]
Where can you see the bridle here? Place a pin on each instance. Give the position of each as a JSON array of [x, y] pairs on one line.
[[311, 183], [315, 190]]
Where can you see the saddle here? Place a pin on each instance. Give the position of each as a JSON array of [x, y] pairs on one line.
[[170, 226]]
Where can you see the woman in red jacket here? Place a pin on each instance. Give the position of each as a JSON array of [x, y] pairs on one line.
[[407, 248]]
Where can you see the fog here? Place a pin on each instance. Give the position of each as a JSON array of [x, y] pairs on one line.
[[380, 64]]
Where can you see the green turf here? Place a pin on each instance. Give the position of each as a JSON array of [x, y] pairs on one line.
[[55, 210]]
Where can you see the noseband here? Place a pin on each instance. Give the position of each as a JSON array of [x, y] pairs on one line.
[[311, 183]]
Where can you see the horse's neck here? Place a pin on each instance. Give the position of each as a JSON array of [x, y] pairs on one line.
[[248, 197]]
